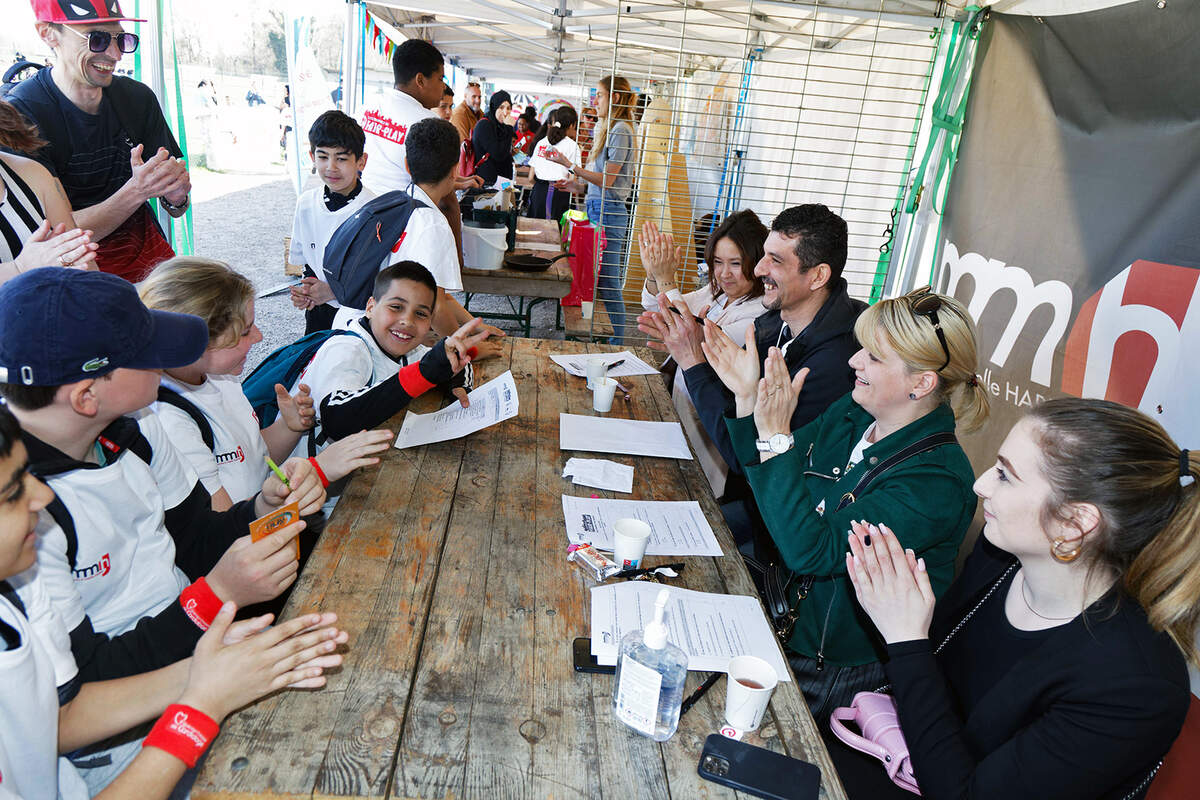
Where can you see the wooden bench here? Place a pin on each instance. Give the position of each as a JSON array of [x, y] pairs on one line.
[[581, 330]]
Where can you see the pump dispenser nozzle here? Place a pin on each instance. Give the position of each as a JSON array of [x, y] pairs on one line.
[[656, 631]]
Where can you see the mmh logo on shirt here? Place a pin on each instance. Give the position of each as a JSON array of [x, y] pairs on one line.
[[97, 570]]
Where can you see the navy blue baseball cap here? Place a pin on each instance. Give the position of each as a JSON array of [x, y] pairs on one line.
[[59, 326]]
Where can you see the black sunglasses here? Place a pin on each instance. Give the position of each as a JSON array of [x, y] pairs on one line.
[[925, 303], [98, 41]]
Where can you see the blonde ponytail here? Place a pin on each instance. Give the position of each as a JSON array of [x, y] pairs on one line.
[[1165, 576], [1126, 465]]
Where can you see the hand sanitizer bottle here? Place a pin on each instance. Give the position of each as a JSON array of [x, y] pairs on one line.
[[648, 688]]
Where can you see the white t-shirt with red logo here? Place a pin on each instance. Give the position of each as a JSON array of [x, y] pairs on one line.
[[547, 170], [386, 126], [236, 460], [125, 566], [427, 240]]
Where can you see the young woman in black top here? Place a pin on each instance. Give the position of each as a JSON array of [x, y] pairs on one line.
[[1055, 665], [493, 138]]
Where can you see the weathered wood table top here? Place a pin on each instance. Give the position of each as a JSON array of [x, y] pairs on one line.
[[447, 565], [535, 237]]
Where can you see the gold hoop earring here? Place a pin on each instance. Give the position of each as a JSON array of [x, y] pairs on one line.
[[1065, 552]]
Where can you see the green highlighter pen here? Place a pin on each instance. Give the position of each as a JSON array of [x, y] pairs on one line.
[[278, 472]]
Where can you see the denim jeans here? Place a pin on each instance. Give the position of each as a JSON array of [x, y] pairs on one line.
[[609, 281]]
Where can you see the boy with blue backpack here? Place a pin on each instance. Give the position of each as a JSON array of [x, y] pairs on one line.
[[402, 225], [362, 375], [336, 145]]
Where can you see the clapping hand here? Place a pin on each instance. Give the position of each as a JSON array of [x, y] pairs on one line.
[[737, 368], [296, 410], [57, 247], [344, 456], [660, 256], [226, 675], [681, 335], [778, 393], [891, 583]]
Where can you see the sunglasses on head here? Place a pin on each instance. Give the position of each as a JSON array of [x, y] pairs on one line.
[[98, 41], [925, 303]]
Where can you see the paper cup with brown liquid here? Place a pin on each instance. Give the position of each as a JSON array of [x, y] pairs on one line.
[[748, 690]]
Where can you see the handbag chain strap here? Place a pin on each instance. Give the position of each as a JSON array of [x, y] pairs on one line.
[[1137, 790], [887, 686]]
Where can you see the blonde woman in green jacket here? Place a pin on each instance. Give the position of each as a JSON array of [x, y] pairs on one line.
[[914, 383]]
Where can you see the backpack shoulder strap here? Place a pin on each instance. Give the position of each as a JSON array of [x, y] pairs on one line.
[[62, 517], [916, 448], [173, 398]]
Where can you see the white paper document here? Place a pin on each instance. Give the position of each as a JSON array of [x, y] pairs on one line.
[[493, 402], [631, 364], [631, 437], [677, 528], [599, 473], [710, 628]]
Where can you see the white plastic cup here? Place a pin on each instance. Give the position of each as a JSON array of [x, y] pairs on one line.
[[748, 690], [603, 390], [630, 537], [595, 367], [585, 306]]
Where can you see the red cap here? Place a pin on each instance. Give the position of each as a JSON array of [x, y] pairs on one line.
[[79, 12]]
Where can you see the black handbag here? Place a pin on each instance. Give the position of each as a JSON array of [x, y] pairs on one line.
[[781, 588]]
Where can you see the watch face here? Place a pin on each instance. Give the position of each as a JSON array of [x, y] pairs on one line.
[[780, 443]]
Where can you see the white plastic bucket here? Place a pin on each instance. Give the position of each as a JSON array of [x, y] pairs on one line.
[[483, 248]]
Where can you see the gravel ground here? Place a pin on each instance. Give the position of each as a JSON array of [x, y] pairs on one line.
[[242, 219]]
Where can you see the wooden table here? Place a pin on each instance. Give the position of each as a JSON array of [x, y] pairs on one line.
[[537, 237], [446, 564]]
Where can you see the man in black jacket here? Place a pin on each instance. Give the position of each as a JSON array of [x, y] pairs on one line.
[[809, 316]]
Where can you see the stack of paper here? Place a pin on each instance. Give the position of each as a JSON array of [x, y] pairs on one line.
[[710, 628], [677, 528]]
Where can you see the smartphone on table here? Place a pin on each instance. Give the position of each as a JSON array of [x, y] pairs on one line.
[[586, 662], [757, 771]]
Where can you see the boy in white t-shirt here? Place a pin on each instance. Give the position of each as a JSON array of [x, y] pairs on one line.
[[133, 558], [44, 709], [202, 406], [336, 145], [432, 153], [362, 380]]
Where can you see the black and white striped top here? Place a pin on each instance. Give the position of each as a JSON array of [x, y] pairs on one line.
[[20, 213]]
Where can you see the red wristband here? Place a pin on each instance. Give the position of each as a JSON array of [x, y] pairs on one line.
[[183, 732], [200, 603], [412, 381], [320, 472]]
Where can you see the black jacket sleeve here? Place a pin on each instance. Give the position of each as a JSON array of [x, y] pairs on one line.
[[344, 412], [713, 402], [202, 535], [154, 642], [494, 141]]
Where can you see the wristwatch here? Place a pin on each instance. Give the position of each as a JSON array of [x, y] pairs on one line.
[[169, 206], [778, 443]]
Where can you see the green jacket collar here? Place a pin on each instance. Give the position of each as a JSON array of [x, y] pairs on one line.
[[939, 420]]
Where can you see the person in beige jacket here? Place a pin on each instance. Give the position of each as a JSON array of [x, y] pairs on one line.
[[467, 113]]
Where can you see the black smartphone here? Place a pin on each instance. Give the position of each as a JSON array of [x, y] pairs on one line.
[[585, 661], [757, 771]]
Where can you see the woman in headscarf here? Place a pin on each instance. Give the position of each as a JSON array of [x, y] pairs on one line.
[[492, 140]]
